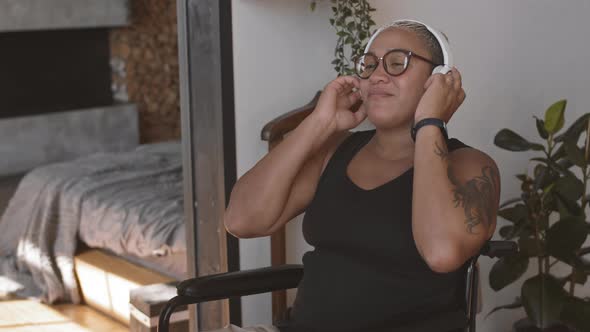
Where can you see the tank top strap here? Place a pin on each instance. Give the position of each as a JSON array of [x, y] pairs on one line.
[[454, 144], [346, 150]]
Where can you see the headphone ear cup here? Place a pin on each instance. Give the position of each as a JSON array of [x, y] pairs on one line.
[[441, 69]]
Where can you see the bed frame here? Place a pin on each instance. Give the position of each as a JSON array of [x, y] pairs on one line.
[[95, 268], [79, 133]]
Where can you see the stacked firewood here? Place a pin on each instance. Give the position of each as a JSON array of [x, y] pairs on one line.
[[144, 59]]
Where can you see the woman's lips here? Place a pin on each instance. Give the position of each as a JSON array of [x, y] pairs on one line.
[[380, 95]]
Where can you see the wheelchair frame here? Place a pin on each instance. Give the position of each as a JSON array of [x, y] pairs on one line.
[[248, 282]]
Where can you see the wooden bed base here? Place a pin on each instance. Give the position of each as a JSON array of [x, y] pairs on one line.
[[106, 281]]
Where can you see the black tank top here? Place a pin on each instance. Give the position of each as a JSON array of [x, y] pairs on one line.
[[365, 273]]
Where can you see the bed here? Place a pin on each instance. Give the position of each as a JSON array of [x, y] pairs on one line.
[[123, 198]]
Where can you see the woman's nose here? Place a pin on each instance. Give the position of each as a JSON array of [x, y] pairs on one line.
[[379, 75]]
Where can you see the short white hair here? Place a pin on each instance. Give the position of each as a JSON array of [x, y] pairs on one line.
[[425, 35]]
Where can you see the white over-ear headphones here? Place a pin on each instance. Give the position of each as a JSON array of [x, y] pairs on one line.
[[442, 41]]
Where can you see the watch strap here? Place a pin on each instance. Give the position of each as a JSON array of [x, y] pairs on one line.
[[429, 121]]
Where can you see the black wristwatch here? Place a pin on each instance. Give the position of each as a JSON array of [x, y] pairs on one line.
[[430, 121]]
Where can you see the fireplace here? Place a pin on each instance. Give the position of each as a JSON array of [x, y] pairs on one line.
[[53, 71], [56, 97], [55, 54]]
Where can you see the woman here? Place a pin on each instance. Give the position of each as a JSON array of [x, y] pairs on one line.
[[393, 220]]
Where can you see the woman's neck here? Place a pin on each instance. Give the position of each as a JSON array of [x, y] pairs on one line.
[[392, 144]]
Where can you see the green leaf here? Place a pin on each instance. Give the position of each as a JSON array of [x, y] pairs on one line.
[[514, 213], [509, 140], [582, 264], [543, 176], [559, 153], [506, 232], [507, 270], [576, 312], [569, 187], [574, 153], [555, 166], [565, 163], [580, 277], [516, 304], [510, 201], [565, 237], [566, 207], [554, 118], [575, 129], [543, 222], [543, 299], [541, 128]]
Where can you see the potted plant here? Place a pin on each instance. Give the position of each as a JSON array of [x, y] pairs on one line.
[[352, 21], [549, 222]]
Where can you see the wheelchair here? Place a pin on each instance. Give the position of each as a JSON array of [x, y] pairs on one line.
[[248, 282]]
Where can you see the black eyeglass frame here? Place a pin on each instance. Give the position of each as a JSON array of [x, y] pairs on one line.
[[409, 55]]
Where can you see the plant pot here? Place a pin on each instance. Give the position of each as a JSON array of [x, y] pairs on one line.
[[525, 325]]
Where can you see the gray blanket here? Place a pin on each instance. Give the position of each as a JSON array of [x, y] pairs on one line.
[[126, 202]]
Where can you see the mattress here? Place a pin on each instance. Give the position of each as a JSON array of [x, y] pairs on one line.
[[8, 185], [130, 203], [139, 213]]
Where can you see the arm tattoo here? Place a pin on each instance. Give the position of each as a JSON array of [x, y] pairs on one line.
[[442, 152], [476, 197]]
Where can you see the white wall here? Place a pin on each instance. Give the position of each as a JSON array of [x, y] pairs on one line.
[[282, 55], [516, 58]]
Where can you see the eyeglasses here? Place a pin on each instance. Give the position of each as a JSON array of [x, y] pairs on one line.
[[395, 62]]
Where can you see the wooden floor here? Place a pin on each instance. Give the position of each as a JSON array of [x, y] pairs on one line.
[[26, 315]]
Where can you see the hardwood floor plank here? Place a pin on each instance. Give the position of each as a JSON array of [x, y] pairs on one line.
[[28, 315]]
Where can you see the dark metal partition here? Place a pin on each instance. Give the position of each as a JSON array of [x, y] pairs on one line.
[[208, 135]]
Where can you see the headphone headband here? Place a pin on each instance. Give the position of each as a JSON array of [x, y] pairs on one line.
[[442, 41]]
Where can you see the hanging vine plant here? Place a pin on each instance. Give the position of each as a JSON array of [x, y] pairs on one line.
[[352, 21]]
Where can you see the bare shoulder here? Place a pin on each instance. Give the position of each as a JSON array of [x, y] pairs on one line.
[[476, 181], [332, 144], [468, 161]]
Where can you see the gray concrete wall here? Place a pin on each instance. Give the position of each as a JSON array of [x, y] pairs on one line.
[[20, 15], [28, 142]]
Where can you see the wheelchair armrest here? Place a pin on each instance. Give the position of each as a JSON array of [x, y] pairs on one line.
[[241, 283], [499, 248]]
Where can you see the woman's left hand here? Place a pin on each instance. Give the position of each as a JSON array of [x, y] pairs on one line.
[[443, 96]]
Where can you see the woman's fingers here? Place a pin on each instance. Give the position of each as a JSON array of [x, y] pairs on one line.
[[457, 82], [344, 84], [352, 98], [360, 115], [461, 96], [429, 81]]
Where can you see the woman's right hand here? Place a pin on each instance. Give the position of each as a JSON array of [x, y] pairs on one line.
[[335, 104]]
